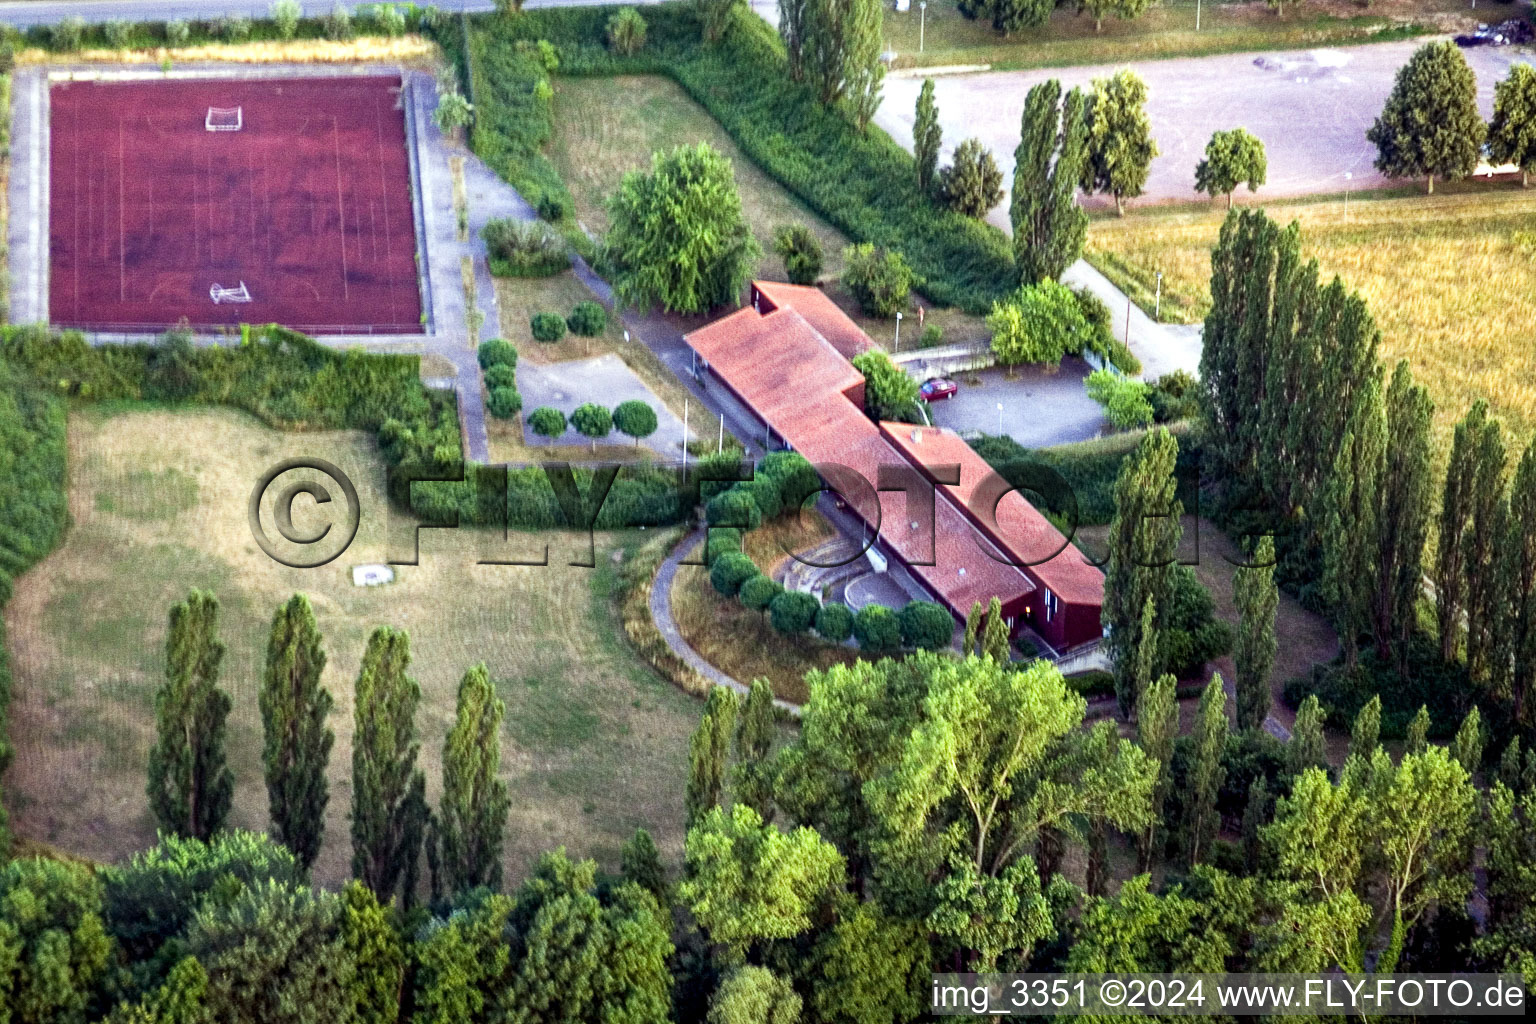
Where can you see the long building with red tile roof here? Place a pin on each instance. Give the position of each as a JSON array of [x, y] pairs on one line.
[[786, 358]]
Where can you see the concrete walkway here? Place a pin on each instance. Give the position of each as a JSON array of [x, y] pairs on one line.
[[661, 615]]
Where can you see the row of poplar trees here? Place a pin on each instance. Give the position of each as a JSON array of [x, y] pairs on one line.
[[191, 786], [1308, 430]]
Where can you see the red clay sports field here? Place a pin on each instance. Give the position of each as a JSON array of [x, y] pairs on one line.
[[303, 196]]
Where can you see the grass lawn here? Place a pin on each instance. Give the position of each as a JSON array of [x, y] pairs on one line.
[[1449, 279], [1165, 30], [594, 742], [742, 643], [607, 126], [518, 298]]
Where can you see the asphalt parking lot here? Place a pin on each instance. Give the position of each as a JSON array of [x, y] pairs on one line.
[[1310, 108], [1039, 408], [602, 379]]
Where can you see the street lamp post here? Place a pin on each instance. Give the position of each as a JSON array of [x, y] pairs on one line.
[[1157, 309], [1197, 15], [922, 22], [898, 331], [1347, 176], [999, 419]]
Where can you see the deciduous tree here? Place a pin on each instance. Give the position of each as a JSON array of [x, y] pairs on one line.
[[971, 184], [1487, 623], [1456, 504], [708, 751], [472, 816], [1350, 506], [389, 804], [1120, 145], [1200, 816], [927, 138], [1430, 126], [1049, 228], [1232, 158], [752, 774], [1402, 523], [1512, 132], [1519, 573], [677, 237], [1157, 726], [190, 784], [1257, 599], [296, 741], [54, 950]]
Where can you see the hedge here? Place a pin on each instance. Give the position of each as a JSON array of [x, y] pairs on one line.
[[834, 622], [862, 183], [153, 34], [793, 611]]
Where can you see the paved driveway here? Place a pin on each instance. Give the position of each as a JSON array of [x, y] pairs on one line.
[[1311, 109], [1038, 408], [603, 379]]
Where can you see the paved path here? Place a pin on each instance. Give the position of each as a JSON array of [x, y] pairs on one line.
[[661, 614]]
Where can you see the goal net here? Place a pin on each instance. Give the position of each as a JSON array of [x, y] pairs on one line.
[[218, 293], [224, 119]]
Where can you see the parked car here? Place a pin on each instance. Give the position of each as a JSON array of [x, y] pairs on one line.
[[1506, 33], [935, 388]]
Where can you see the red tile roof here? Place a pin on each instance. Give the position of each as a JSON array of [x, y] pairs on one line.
[[793, 377], [820, 312], [1020, 528]]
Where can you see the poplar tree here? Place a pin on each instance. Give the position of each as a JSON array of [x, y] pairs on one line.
[[1257, 599], [794, 18], [1467, 746], [1120, 147], [1146, 652], [1200, 816], [1157, 726], [1255, 817], [1416, 737], [752, 774], [994, 636], [1365, 736], [1049, 228], [1484, 543], [840, 46], [389, 804], [296, 741], [472, 816], [1306, 748], [190, 785], [1143, 538], [972, 628], [708, 750], [927, 138], [1455, 516], [1519, 572], [1349, 530], [1402, 524]]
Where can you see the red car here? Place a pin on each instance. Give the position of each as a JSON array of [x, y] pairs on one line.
[[935, 388]]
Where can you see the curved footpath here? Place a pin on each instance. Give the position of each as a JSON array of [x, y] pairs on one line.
[[661, 615]]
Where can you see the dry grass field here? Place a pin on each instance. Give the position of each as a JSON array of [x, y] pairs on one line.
[[1450, 280], [594, 742], [607, 126]]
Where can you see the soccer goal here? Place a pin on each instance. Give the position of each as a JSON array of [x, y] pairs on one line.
[[218, 293], [224, 119]]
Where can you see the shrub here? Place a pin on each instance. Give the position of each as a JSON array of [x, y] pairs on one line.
[[587, 319], [1194, 635], [524, 249], [758, 593], [547, 327], [68, 32], [117, 32], [890, 393], [722, 541], [800, 249], [793, 477], [7, 57], [626, 32], [234, 27], [177, 32], [592, 420], [496, 351], [730, 571], [933, 336], [792, 611], [1040, 323], [834, 622], [876, 629], [734, 507], [972, 184], [504, 402], [765, 495], [1124, 398], [547, 422], [285, 15], [925, 625], [552, 206], [635, 419], [338, 24], [1174, 396], [878, 278], [500, 375]]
